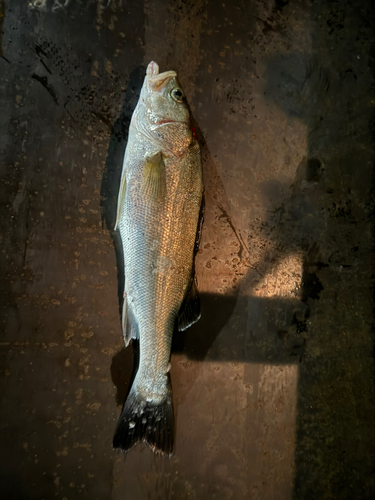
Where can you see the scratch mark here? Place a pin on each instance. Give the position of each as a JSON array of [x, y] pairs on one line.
[[69, 113], [238, 235], [40, 51], [44, 64], [44, 81]]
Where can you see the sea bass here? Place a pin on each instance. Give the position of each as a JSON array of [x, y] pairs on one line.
[[159, 218]]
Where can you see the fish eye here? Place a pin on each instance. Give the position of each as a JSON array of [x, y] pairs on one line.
[[177, 95]]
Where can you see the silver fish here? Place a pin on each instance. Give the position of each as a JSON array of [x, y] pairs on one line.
[[158, 215]]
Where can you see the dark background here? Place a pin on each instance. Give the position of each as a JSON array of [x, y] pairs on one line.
[[273, 387]]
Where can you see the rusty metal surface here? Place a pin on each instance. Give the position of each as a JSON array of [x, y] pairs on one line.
[[273, 387]]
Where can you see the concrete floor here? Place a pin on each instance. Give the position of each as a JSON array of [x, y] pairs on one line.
[[273, 388]]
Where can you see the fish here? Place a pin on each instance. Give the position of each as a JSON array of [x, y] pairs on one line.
[[159, 217]]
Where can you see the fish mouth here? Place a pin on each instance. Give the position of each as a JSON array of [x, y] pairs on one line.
[[158, 82], [162, 76]]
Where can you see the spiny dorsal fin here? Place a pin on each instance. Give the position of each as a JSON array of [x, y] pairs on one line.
[[190, 311], [153, 179]]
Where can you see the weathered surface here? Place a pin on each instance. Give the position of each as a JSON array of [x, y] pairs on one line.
[[273, 388]]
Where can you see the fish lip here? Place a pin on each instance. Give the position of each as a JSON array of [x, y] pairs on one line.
[[157, 83], [162, 76]]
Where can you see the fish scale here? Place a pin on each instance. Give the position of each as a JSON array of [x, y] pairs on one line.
[[158, 212], [167, 290]]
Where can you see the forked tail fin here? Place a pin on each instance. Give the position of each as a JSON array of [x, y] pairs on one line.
[[148, 421]]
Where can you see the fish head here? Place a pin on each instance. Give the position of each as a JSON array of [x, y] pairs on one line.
[[163, 114]]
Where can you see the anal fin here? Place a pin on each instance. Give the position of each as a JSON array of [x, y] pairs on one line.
[[190, 311]]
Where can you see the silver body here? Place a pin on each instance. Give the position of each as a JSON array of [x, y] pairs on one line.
[[158, 238]]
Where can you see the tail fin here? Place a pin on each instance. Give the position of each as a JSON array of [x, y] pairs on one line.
[[147, 421]]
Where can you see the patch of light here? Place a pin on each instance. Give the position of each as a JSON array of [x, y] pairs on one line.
[[282, 280]]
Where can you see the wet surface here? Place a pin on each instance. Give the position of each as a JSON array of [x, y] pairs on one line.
[[273, 387]]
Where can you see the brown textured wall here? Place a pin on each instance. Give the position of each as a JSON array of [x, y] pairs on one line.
[[273, 387]]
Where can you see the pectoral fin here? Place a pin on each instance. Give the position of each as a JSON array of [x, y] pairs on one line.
[[154, 178], [190, 311]]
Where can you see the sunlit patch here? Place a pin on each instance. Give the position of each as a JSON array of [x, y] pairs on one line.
[[282, 280]]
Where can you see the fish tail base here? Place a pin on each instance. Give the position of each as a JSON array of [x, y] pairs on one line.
[[147, 421]]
